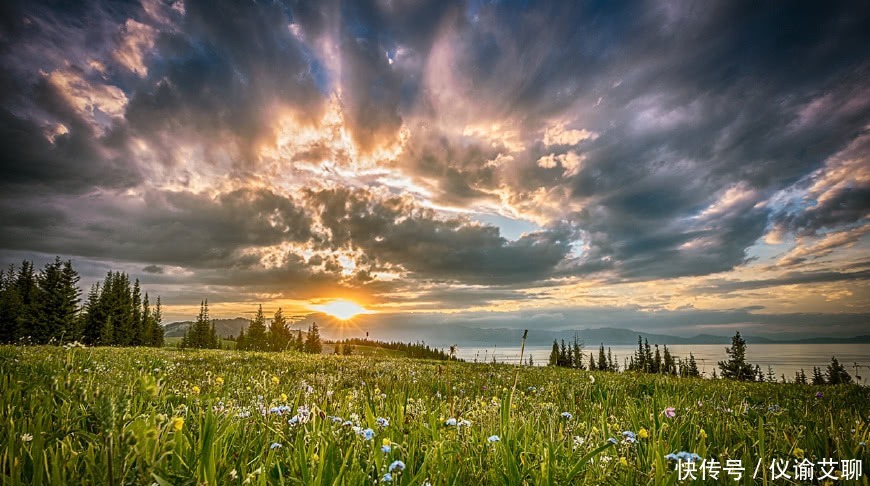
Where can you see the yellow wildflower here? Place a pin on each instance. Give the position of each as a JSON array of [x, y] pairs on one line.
[[195, 390], [315, 457], [386, 442], [642, 433], [177, 423], [702, 434], [219, 380], [283, 397], [623, 461], [798, 452], [276, 380]]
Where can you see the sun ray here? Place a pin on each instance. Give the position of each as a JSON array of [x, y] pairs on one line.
[[342, 309]]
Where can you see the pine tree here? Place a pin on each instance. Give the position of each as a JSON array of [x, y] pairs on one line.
[[837, 374], [693, 366], [800, 377], [256, 339], [241, 341], [137, 327], [771, 377], [201, 334], [670, 366], [736, 367], [592, 365], [157, 326], [279, 333], [10, 307], [818, 378], [563, 354], [578, 353], [27, 290], [147, 338], [602, 358], [554, 354], [312, 342]]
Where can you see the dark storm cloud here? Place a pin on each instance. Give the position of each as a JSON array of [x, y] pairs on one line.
[[795, 278], [164, 227], [398, 231]]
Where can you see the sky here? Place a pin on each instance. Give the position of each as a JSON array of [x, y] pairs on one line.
[[683, 167]]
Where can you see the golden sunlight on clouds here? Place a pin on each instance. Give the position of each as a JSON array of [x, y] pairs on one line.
[[342, 309]]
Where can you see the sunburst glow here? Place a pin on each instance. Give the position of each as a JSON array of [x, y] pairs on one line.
[[342, 309]]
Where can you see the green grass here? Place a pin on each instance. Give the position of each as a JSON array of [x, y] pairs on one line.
[[143, 416], [174, 341]]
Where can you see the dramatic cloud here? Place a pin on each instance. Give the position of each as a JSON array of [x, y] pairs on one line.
[[446, 157]]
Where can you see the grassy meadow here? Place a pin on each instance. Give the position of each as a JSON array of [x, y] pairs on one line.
[[167, 416]]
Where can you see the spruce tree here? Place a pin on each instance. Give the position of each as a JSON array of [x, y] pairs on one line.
[[837, 374], [279, 333], [241, 341], [592, 365], [256, 339], [554, 354], [818, 378], [157, 326], [578, 353], [27, 290], [602, 358], [10, 307], [736, 367], [312, 342], [693, 366], [137, 327]]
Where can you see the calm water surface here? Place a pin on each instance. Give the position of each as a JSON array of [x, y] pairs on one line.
[[783, 358]]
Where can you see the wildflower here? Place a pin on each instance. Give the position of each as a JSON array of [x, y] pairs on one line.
[[702, 434], [294, 421], [195, 390], [382, 422], [283, 397], [26, 437], [629, 436], [670, 412], [612, 440], [234, 474], [397, 466], [623, 461], [386, 446], [798, 452], [683, 456], [493, 439], [567, 415], [592, 379], [177, 423], [276, 380], [368, 434], [275, 445], [819, 395], [220, 381], [642, 433], [451, 422], [315, 457], [463, 423], [578, 441], [388, 478]]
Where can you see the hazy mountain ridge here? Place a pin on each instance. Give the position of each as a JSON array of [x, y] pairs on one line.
[[334, 328]]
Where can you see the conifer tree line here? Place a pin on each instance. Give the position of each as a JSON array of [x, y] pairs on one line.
[[662, 361], [278, 336], [409, 350], [45, 307]]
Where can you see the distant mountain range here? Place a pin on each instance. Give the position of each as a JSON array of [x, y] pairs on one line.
[[447, 334]]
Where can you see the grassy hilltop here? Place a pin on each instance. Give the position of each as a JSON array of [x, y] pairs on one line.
[[143, 416]]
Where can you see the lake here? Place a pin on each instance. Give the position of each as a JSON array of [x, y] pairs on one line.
[[783, 358]]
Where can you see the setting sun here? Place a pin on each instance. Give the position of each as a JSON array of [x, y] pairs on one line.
[[342, 309]]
